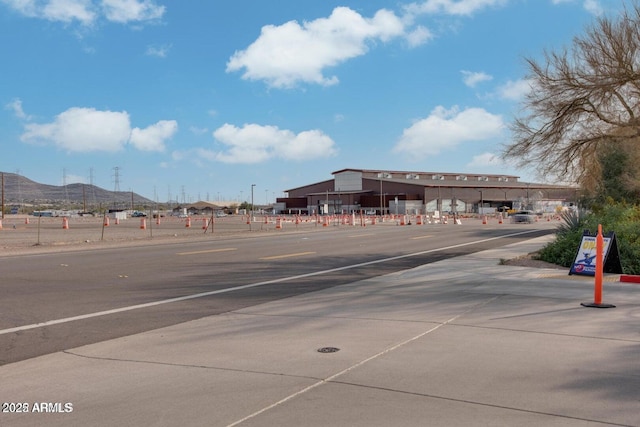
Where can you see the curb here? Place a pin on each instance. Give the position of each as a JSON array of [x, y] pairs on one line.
[[629, 278]]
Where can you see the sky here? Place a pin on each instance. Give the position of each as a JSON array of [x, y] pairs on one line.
[[216, 100]]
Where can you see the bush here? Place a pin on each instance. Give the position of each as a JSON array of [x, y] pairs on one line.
[[622, 219]]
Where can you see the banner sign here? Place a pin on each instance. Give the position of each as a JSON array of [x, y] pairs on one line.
[[585, 260]]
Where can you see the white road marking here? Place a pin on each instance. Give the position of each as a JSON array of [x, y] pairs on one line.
[[362, 362], [287, 255], [248, 286], [207, 251]]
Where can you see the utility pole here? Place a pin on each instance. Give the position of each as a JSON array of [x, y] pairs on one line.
[[251, 211], [2, 214]]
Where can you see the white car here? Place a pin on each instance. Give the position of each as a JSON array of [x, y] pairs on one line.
[[524, 216]]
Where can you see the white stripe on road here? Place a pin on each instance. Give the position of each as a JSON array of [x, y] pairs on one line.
[[248, 286], [352, 367]]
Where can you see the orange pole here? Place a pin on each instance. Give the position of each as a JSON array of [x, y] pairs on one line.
[[599, 267], [599, 273]]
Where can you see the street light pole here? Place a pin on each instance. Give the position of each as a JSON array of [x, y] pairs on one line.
[[251, 210], [381, 199]]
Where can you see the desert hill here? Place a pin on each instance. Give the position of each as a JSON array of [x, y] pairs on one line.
[[21, 190]]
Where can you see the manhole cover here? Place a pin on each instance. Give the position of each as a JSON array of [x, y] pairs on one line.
[[328, 350]]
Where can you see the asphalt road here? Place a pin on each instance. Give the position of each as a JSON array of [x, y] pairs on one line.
[[52, 302]]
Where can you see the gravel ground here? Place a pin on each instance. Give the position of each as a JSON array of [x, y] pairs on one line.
[[22, 234], [529, 261]]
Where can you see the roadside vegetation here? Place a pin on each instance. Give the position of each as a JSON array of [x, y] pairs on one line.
[[619, 217], [580, 123]]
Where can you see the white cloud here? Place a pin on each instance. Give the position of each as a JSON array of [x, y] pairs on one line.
[[152, 138], [16, 107], [86, 12], [592, 6], [69, 10], [255, 144], [25, 7], [198, 131], [515, 91], [484, 161], [158, 51], [452, 7], [55, 10], [88, 130], [124, 11], [419, 36], [471, 79], [445, 129], [291, 53]]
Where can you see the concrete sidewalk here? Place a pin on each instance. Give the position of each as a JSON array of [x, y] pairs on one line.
[[461, 342]]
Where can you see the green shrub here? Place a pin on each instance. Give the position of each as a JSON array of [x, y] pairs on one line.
[[622, 219]]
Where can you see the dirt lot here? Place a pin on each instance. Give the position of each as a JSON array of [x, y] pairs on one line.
[[22, 234], [530, 261]]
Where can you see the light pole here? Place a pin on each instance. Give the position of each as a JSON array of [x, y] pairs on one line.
[[383, 175], [251, 211]]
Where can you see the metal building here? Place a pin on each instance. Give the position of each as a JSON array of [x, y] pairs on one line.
[[407, 192]]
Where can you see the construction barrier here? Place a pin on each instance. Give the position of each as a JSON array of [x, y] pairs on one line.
[[65, 223], [205, 223], [188, 223], [143, 224], [26, 220], [278, 223], [106, 221]]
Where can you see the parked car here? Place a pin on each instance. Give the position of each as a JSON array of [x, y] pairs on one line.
[[523, 216], [137, 214]]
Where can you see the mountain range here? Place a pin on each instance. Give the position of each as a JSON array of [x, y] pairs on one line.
[[17, 189]]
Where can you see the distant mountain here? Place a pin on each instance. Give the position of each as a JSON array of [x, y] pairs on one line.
[[21, 190]]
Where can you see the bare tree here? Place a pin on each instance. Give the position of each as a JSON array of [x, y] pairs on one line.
[[581, 99]]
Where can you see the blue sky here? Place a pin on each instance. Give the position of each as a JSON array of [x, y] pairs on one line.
[[200, 99]]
